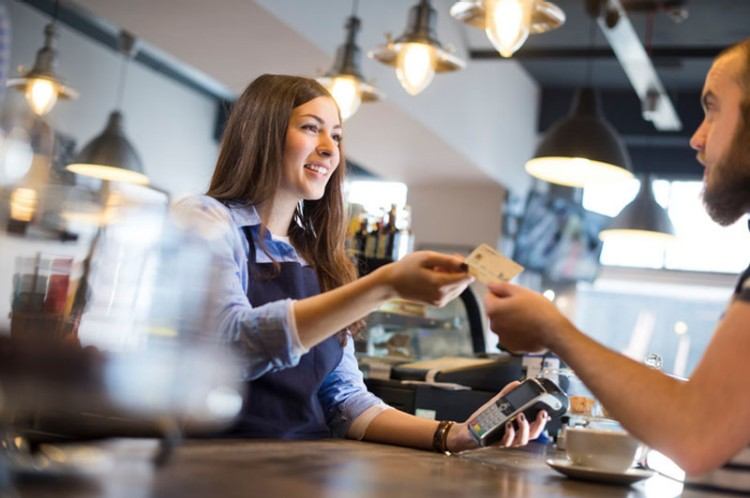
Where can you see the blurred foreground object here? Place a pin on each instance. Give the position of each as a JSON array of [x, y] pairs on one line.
[[107, 330]]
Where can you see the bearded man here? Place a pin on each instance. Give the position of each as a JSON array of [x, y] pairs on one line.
[[704, 422]]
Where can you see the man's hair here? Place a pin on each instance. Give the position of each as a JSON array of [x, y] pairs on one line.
[[250, 164], [742, 48]]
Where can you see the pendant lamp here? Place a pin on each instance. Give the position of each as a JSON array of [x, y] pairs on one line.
[[581, 149], [41, 84], [642, 220], [345, 80], [110, 155], [417, 54], [508, 23], [26, 149]]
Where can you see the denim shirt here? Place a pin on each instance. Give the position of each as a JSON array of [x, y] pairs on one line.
[[264, 335]]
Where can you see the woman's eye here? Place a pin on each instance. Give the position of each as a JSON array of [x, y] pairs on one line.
[[310, 127], [338, 138]]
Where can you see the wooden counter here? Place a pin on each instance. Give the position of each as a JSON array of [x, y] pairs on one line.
[[334, 468]]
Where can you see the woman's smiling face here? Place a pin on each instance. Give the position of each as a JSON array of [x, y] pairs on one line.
[[311, 151]]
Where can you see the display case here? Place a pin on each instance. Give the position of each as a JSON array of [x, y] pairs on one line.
[[431, 361], [402, 331]]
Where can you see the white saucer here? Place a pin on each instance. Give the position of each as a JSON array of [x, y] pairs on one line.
[[599, 475]]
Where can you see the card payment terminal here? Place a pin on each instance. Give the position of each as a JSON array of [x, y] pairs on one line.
[[487, 424]]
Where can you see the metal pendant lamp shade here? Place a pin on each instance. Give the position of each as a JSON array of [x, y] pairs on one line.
[[545, 16], [417, 54], [41, 84], [344, 80], [110, 156], [508, 23], [643, 219], [581, 149]]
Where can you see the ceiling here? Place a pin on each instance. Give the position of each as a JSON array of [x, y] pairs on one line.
[[681, 36], [444, 133]]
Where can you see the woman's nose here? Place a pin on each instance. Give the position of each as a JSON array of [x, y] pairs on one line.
[[327, 147], [324, 150]]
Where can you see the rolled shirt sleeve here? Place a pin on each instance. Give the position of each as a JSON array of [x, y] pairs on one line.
[[343, 395]]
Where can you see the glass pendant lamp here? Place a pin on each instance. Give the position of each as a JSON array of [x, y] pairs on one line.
[[508, 23], [417, 54], [345, 80], [41, 84]]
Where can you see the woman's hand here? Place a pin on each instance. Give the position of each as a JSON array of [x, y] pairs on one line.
[[427, 277], [517, 433]]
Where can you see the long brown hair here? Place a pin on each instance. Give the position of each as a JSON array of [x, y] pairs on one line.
[[249, 169]]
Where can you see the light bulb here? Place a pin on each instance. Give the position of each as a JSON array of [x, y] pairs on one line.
[[16, 154], [23, 203], [347, 94], [41, 94], [508, 24], [415, 67]]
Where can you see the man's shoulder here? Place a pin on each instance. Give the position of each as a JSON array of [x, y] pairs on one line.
[[742, 291]]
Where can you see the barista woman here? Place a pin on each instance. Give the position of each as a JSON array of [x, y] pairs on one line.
[[289, 298]]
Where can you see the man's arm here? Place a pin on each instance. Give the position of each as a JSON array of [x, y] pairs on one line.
[[700, 423]]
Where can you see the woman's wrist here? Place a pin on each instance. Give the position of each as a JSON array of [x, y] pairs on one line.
[[383, 282], [460, 439]]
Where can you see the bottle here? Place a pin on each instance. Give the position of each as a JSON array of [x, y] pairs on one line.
[[403, 240], [382, 240], [371, 242], [390, 232], [360, 238]]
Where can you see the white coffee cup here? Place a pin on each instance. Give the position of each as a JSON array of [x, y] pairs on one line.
[[611, 450]]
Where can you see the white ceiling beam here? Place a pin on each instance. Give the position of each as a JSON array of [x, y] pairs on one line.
[[655, 103]]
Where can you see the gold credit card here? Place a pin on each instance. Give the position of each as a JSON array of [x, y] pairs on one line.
[[486, 264]]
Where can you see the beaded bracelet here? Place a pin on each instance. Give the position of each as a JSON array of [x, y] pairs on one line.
[[440, 439]]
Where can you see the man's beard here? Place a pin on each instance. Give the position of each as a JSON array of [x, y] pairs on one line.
[[728, 196]]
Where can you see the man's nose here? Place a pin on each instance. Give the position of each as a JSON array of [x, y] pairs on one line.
[[698, 140]]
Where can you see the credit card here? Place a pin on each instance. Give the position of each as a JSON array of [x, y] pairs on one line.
[[486, 264]]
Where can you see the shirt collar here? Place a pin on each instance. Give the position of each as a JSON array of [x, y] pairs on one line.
[[243, 214]]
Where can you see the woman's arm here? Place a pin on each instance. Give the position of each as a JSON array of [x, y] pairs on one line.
[[344, 396], [266, 335], [403, 429], [426, 277]]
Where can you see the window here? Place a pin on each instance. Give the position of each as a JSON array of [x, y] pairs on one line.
[[639, 312], [702, 245], [670, 313], [376, 196]]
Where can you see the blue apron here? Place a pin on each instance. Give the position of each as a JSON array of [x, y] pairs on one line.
[[284, 404]]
